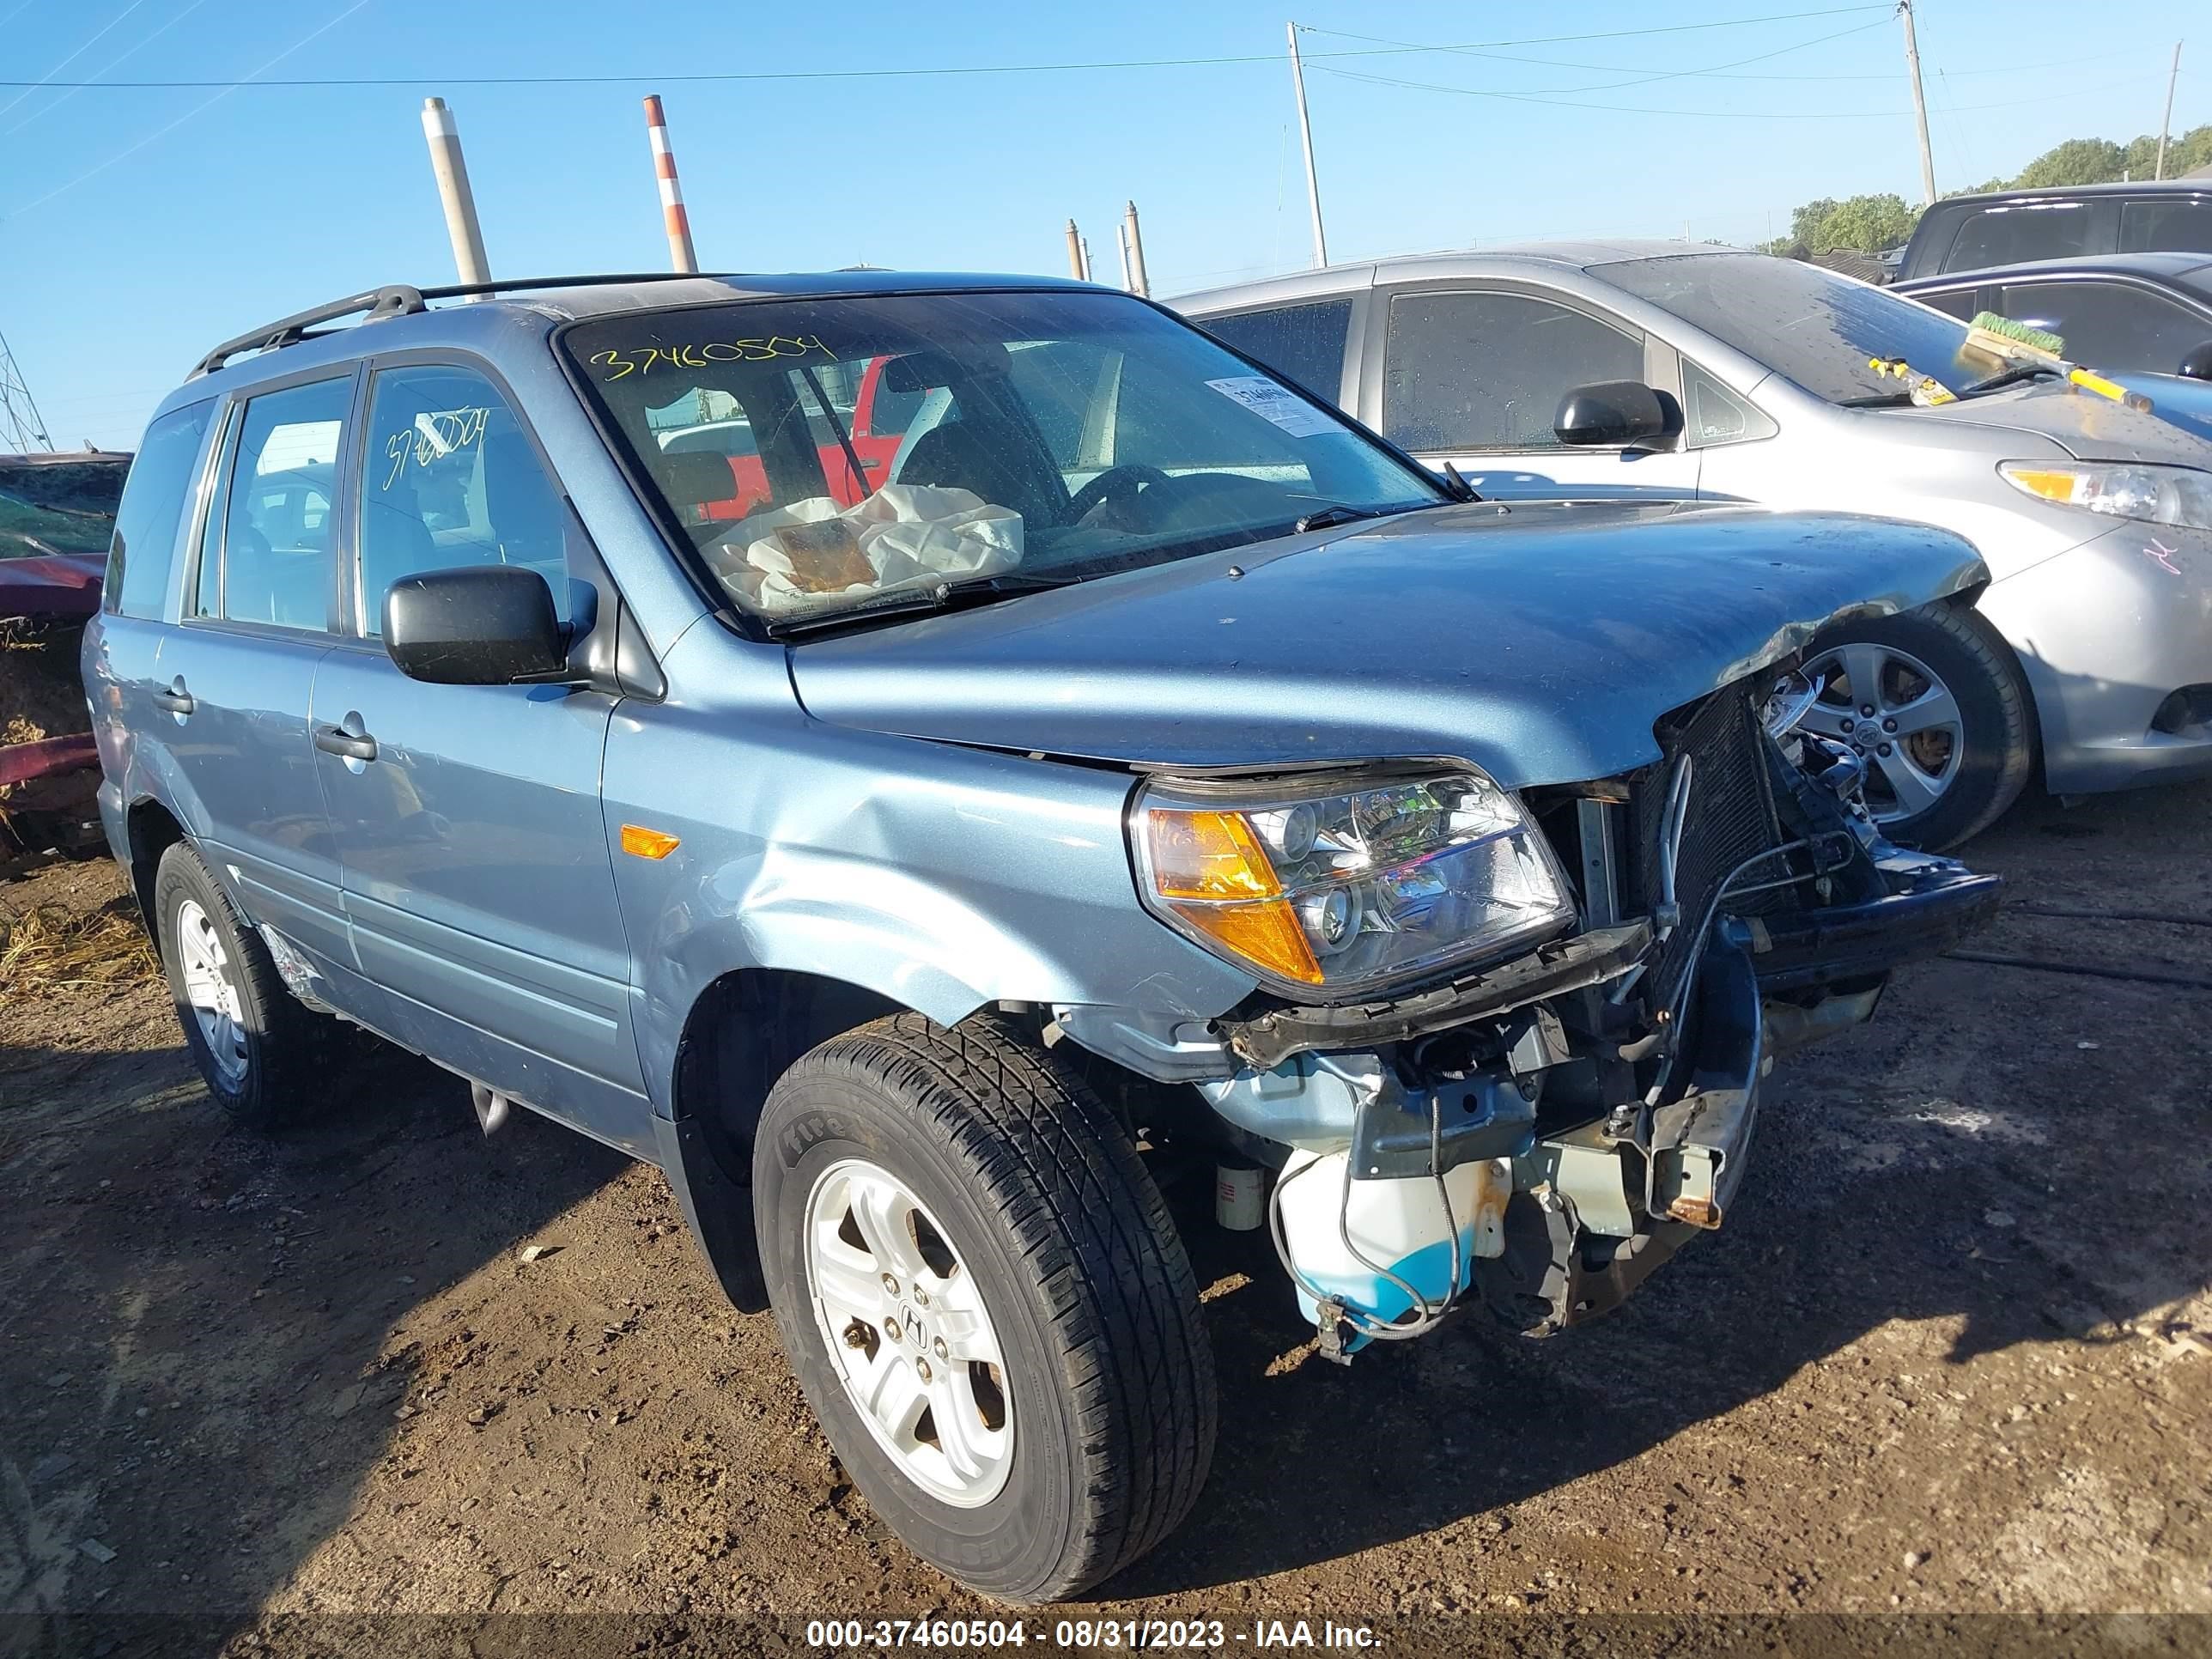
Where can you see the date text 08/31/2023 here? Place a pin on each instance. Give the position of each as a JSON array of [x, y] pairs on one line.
[[1128, 1635]]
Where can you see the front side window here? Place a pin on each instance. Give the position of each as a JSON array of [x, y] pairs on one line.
[[143, 549], [449, 480], [1812, 326], [2163, 227], [1487, 371], [2029, 230], [911, 441], [272, 547], [2109, 325], [1304, 343]]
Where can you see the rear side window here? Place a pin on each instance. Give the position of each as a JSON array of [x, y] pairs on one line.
[[2008, 235], [1304, 343], [144, 548], [1959, 302], [451, 481], [1487, 371], [274, 546], [2166, 227], [2108, 326]]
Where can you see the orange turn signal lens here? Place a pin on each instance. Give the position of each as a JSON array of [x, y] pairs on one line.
[[641, 843], [1264, 933], [2052, 483], [1218, 878], [1207, 855]]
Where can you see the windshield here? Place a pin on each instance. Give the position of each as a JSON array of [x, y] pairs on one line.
[[1807, 324], [820, 454]]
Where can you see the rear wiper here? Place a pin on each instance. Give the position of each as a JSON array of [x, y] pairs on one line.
[[914, 601]]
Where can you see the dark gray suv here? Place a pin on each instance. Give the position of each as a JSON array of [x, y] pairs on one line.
[[913, 756]]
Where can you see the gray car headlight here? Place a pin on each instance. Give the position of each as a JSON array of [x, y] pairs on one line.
[[2121, 490], [1347, 883]]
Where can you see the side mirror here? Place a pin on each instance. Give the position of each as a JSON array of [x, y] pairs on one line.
[[2197, 364], [491, 625], [1614, 415]]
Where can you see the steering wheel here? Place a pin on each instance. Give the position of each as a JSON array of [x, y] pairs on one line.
[[1109, 486]]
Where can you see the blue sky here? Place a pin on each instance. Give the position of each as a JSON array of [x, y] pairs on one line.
[[138, 227]]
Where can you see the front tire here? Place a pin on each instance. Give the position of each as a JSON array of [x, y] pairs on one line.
[[252, 1042], [1935, 707], [986, 1301]]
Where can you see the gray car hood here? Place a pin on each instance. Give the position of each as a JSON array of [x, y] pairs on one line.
[[2086, 425], [1540, 644]]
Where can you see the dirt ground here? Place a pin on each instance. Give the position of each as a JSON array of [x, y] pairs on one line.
[[1951, 1356]]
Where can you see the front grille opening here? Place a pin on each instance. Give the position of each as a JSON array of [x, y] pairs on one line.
[[1731, 817]]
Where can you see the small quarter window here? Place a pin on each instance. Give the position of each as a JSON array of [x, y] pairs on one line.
[[1713, 414]]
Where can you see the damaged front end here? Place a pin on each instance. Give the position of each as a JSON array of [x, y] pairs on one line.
[[1545, 1128]]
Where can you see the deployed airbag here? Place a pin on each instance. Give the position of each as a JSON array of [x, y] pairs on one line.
[[794, 558]]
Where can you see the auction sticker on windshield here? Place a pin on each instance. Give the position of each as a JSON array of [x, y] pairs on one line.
[[1274, 402]]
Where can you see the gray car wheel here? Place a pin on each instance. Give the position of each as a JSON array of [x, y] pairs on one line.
[[251, 1041], [1933, 704], [985, 1302]]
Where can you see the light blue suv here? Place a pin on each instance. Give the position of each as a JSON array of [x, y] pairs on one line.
[[913, 756]]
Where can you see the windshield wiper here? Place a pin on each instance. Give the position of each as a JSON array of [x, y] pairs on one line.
[[2012, 376], [1337, 512], [914, 601], [1877, 400]]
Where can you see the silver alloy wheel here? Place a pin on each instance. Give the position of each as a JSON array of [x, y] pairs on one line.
[[908, 1333], [1900, 717], [211, 990]]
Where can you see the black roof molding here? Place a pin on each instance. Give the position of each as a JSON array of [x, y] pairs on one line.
[[400, 300]]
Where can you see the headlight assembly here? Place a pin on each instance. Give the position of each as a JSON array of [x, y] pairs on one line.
[[2120, 490], [1347, 884]]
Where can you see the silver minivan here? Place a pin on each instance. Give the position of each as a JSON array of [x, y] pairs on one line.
[[1670, 370]]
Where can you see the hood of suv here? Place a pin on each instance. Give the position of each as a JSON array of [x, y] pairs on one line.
[[1539, 643], [2087, 426]]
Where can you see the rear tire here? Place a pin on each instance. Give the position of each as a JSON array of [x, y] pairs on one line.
[[253, 1042], [908, 1155], [1983, 748]]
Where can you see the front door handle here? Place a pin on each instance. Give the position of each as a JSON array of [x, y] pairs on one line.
[[347, 745], [175, 698]]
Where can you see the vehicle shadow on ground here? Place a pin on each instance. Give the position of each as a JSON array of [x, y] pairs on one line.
[[198, 1359]]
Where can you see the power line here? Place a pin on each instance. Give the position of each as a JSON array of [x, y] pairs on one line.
[[47, 79], [128, 51], [1716, 114], [163, 131], [444, 79]]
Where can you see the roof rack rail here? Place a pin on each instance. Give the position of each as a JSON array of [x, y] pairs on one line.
[[400, 300]]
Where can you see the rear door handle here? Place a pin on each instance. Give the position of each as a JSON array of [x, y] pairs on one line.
[[175, 699], [348, 746]]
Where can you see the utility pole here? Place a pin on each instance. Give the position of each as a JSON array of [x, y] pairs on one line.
[[1074, 252], [1919, 105], [1141, 283], [680, 254], [1305, 137], [1129, 276], [2166, 123], [460, 202], [1086, 258]]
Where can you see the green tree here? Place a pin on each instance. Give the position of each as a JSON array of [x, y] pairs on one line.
[[1866, 224], [1805, 222], [2076, 162]]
